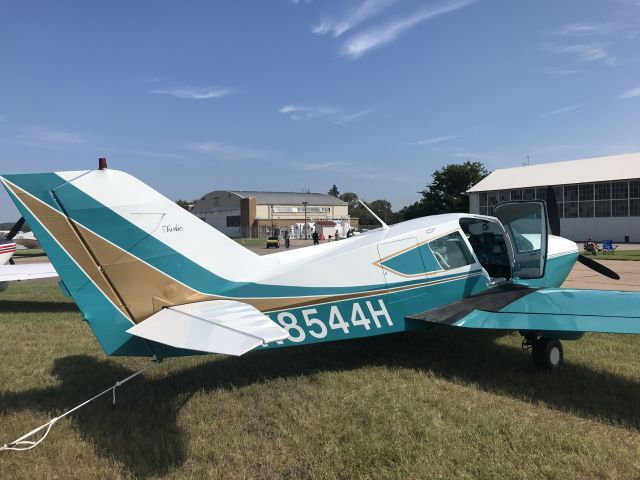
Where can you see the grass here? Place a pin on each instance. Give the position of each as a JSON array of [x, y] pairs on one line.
[[439, 404], [251, 242], [633, 255], [29, 252]]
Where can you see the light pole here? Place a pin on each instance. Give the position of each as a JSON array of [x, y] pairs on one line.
[[305, 220]]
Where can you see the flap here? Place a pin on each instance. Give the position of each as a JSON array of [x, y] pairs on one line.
[[26, 271], [214, 326]]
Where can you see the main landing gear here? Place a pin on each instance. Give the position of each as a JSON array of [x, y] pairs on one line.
[[546, 352]]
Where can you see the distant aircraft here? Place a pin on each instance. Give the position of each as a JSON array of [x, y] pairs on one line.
[[10, 271], [152, 279]]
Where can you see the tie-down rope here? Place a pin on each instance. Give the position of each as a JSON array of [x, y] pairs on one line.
[[21, 444]]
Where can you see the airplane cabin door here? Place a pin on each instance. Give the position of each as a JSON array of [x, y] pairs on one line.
[[526, 227]]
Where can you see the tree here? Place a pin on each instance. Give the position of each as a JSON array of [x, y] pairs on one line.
[[446, 192], [186, 203], [333, 191], [382, 208], [351, 199]]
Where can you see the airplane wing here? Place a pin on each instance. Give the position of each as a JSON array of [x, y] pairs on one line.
[[515, 307], [26, 271], [214, 326]]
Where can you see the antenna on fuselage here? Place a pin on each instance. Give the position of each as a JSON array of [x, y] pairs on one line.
[[384, 225]]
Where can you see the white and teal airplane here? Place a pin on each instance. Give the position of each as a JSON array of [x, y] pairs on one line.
[[152, 279]]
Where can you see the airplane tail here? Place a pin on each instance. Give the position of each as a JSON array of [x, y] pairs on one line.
[[123, 251]]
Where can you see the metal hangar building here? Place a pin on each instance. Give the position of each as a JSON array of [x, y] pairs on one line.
[[241, 213], [597, 197]]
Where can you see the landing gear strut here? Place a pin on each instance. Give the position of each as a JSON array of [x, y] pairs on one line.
[[546, 352]]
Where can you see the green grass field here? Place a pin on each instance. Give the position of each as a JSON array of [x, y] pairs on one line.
[[438, 404], [622, 255], [29, 252]]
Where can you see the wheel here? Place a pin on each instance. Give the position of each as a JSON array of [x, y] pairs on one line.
[[547, 353]]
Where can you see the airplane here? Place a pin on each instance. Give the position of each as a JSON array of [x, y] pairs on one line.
[[151, 279], [10, 271]]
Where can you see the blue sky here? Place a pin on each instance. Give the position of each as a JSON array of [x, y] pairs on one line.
[[372, 95]]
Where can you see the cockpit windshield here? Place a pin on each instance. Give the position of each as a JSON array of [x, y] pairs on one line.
[[487, 240]]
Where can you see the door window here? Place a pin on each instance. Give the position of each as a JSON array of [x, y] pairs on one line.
[[526, 227], [451, 251]]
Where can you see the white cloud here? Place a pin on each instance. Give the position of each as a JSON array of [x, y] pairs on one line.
[[332, 114], [586, 52], [366, 10], [193, 93], [586, 29], [228, 152], [376, 37], [41, 135], [634, 92], [562, 110], [559, 72], [434, 140]]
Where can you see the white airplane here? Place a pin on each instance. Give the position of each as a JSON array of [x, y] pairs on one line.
[[152, 279], [10, 271]]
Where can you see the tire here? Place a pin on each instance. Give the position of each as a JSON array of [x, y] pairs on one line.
[[547, 353]]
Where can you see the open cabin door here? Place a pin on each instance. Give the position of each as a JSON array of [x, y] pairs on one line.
[[526, 227]]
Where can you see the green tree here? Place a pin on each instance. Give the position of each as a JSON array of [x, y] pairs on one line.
[[382, 208], [351, 199], [446, 192], [333, 191]]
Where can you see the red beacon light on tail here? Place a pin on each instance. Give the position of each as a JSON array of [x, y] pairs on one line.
[[102, 163]]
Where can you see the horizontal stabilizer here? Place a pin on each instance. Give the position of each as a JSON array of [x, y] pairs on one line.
[[214, 326], [26, 271]]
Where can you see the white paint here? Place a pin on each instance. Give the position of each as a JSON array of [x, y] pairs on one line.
[[215, 326]]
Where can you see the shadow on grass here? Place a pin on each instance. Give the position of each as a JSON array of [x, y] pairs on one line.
[[22, 306], [144, 435]]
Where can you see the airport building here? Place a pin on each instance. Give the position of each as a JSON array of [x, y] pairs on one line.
[[258, 214], [597, 197]]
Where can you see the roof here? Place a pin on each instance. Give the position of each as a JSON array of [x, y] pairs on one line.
[[589, 170], [289, 198]]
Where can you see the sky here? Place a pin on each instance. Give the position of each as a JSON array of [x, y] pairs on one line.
[[284, 95]]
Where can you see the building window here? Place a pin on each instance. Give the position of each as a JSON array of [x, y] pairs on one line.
[[619, 208], [503, 196], [634, 189], [541, 193], [634, 207], [586, 209], [483, 198], [603, 208], [571, 210], [603, 191], [516, 194], [620, 190], [571, 193], [559, 194], [233, 220], [586, 192], [529, 193]]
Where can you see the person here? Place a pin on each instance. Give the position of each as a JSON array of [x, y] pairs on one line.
[[286, 239], [591, 246], [337, 236], [350, 233], [316, 237]]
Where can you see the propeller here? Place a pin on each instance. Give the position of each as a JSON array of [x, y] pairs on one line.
[[554, 226], [12, 233], [552, 211]]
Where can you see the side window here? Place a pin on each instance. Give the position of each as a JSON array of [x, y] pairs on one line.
[[451, 251]]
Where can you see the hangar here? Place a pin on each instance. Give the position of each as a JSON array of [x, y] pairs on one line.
[[241, 213], [597, 197]]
